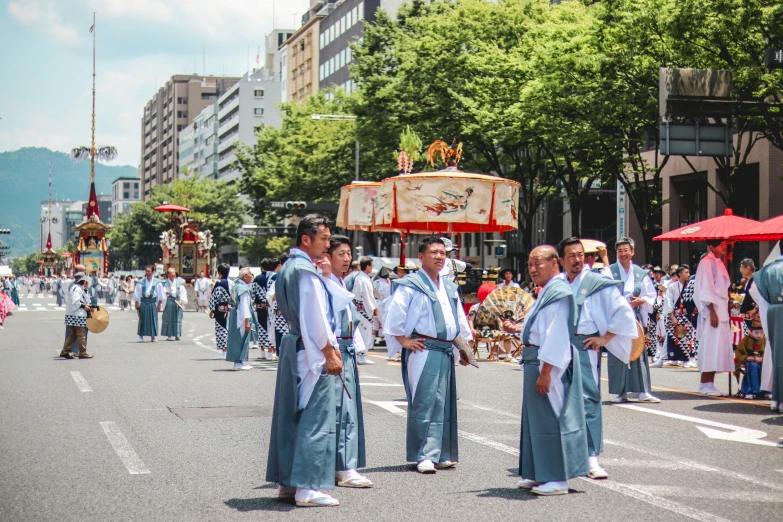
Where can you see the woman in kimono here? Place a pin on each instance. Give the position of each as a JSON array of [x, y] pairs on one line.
[[677, 310], [219, 306], [240, 321], [654, 331]]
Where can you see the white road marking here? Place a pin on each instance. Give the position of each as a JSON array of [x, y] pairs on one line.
[[731, 474], [737, 433], [81, 382], [628, 491], [365, 376], [124, 450], [385, 384], [647, 464], [487, 408], [711, 493]]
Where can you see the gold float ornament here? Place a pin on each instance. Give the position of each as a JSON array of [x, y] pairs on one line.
[[450, 155]]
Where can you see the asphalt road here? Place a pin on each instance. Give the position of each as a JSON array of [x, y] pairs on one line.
[[164, 432]]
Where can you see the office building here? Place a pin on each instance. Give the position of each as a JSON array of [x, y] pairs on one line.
[[342, 27], [172, 109], [198, 144], [125, 192], [299, 53], [249, 103]]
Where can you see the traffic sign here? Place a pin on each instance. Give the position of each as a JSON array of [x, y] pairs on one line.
[[773, 59]]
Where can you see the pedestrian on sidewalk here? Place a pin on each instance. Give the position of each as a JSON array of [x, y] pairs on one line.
[[76, 308]]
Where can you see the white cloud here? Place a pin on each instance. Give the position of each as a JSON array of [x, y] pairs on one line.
[[43, 15]]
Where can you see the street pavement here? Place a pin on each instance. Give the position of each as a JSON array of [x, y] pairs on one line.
[[165, 432]]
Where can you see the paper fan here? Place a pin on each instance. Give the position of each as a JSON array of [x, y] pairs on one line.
[[508, 303]]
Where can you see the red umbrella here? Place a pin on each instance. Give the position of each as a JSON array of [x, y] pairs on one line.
[[172, 208], [727, 226], [769, 230]]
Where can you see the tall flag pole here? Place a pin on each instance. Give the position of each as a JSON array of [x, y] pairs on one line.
[[92, 147]]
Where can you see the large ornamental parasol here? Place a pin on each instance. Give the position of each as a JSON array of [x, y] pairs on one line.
[[172, 208], [447, 201], [356, 205], [769, 230], [727, 226]]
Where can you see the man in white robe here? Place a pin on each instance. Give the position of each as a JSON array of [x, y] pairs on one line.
[[422, 320], [382, 290], [601, 309], [202, 287], [639, 289], [360, 284], [711, 295]]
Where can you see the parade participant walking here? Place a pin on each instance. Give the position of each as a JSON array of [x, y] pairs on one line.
[[278, 324], [219, 306], [711, 293], [14, 290], [638, 288], [176, 295], [553, 447], [111, 289], [202, 292], [76, 308], [6, 306], [303, 445], [261, 306], [767, 291], [350, 417], [360, 284], [60, 290], [423, 318], [149, 298], [604, 319], [382, 291], [240, 321]]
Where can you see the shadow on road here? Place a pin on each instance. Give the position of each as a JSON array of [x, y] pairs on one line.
[[777, 420], [402, 468], [733, 407], [260, 504]]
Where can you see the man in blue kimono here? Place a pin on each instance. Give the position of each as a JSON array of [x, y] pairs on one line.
[[303, 443], [553, 446], [423, 318]]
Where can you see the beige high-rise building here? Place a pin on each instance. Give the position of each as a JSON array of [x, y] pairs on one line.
[[299, 53], [174, 106]]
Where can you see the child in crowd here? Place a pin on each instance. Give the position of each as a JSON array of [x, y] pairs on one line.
[[748, 358]]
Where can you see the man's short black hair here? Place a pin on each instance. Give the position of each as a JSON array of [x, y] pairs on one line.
[[336, 241], [223, 270], [309, 226], [573, 240], [681, 268], [364, 263], [430, 240], [269, 263], [283, 258], [714, 242]]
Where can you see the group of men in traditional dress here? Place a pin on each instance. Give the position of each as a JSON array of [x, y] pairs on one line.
[[150, 294]]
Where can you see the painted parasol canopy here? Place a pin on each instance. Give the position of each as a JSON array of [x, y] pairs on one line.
[[357, 207], [447, 201], [172, 208], [727, 226]]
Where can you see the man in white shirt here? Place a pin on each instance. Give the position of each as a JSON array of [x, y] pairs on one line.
[[507, 279], [711, 295], [382, 290], [202, 292], [360, 284]]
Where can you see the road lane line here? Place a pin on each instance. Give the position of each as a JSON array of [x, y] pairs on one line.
[[697, 394], [124, 450], [81, 382], [385, 384], [647, 498], [708, 493]]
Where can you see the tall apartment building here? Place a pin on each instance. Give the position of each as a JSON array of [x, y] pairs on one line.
[[168, 112], [340, 28], [299, 53], [251, 102], [124, 192], [198, 144]]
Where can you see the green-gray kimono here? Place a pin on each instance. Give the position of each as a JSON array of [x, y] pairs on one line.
[[553, 447], [432, 413], [591, 283], [238, 342], [303, 445], [633, 377], [172, 313], [350, 418], [148, 294], [769, 282]]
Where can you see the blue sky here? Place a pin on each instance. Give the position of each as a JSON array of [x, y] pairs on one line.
[[46, 61]]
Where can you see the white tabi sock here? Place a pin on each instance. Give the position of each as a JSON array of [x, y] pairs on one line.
[[350, 474], [304, 494]]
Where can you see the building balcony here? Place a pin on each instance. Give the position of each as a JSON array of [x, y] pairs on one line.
[[228, 140], [226, 161]]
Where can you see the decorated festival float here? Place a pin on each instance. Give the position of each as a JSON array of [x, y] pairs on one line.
[[186, 248]]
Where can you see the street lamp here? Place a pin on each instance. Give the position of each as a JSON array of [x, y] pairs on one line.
[[341, 117]]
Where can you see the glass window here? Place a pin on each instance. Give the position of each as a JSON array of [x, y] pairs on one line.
[[348, 55], [342, 25], [321, 41], [126, 195], [355, 14], [320, 72], [136, 186], [258, 111], [361, 10], [258, 93], [342, 58]]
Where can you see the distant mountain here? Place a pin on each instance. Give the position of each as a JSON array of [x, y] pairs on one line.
[[24, 183]]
